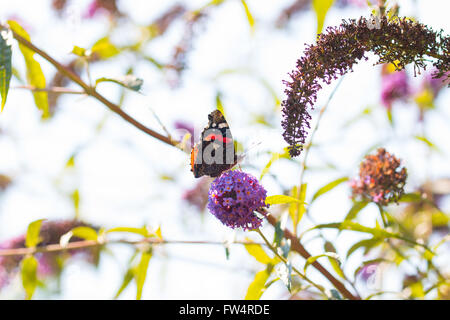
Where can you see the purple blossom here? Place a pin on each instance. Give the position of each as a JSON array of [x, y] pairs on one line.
[[394, 87], [234, 197], [435, 84]]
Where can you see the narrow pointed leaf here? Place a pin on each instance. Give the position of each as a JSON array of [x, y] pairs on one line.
[[250, 19], [125, 282], [312, 259], [281, 199], [257, 252], [104, 49], [86, 233], [366, 243], [355, 209], [275, 157]]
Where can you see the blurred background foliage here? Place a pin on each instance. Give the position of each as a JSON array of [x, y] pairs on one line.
[[66, 159]]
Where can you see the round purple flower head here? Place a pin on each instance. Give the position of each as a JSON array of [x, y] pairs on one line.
[[234, 197]]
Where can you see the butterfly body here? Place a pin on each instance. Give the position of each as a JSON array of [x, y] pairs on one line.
[[215, 152]]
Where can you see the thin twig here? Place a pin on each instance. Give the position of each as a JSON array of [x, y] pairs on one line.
[[52, 89]]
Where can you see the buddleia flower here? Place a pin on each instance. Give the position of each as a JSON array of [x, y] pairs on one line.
[[49, 263]]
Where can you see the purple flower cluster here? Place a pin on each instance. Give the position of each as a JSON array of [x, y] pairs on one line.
[[394, 87], [368, 272], [234, 197]]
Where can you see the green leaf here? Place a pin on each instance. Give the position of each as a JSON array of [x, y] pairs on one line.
[[140, 273], [430, 144], [278, 235], [16, 74], [32, 238], [299, 208], [389, 116], [329, 247], [104, 49], [29, 275], [372, 261], [377, 232], [355, 209], [275, 157], [81, 52], [5, 64], [257, 287], [128, 81], [35, 76], [219, 103], [250, 19], [86, 233], [329, 187], [155, 62], [284, 272], [411, 197], [321, 8], [312, 259], [76, 201], [257, 252], [282, 199]]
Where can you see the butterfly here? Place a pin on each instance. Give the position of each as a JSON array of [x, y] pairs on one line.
[[215, 152]]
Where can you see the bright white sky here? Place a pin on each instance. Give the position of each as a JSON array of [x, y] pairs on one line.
[[117, 173]]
